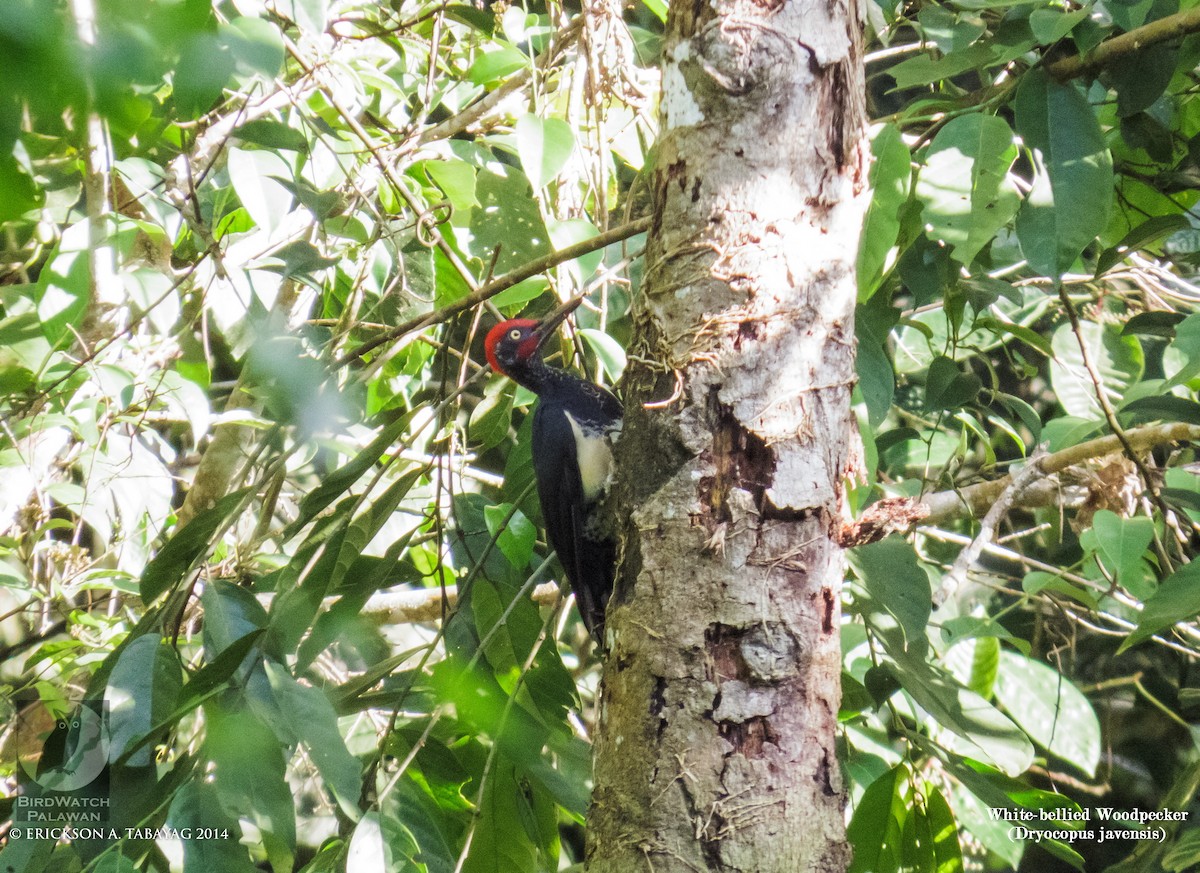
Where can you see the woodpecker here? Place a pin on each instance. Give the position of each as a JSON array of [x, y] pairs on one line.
[[574, 424]]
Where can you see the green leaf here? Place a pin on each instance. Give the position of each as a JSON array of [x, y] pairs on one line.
[[187, 545], [247, 766], [926, 69], [1177, 599], [916, 843], [516, 538], [946, 850], [987, 733], [64, 286], [1119, 360], [876, 380], [271, 134], [658, 8], [1050, 709], [1060, 433], [508, 220], [877, 825], [608, 352], [219, 670], [110, 864], [1181, 359], [1162, 407], [231, 613], [256, 45], [1128, 14], [521, 293], [457, 181], [975, 663], [965, 187], [890, 571], [311, 15], [971, 627], [300, 258], [488, 609], [197, 807], [1141, 78], [570, 232], [1185, 854], [545, 146], [482, 20], [368, 851], [334, 485], [502, 843], [974, 816], [1150, 231], [312, 716], [1183, 488], [14, 377], [490, 66], [1063, 852], [989, 791], [420, 804], [19, 194], [251, 173], [1051, 24], [204, 68], [1073, 186], [142, 690], [21, 338], [1029, 337], [947, 387], [890, 175], [984, 732], [492, 416], [1122, 543], [950, 31], [1038, 581]]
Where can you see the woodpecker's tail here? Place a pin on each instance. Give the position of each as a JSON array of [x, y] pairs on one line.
[[592, 582]]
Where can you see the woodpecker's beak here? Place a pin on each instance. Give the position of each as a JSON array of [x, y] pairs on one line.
[[548, 325]]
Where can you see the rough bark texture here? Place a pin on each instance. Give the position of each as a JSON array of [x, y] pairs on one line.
[[715, 749]]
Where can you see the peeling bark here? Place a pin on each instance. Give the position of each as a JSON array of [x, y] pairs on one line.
[[715, 747]]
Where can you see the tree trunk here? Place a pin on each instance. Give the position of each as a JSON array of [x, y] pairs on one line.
[[715, 746]]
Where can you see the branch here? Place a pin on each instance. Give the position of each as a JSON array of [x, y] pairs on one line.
[[425, 604], [230, 447], [975, 499], [414, 605], [104, 290], [501, 283], [452, 127], [1127, 44], [953, 581]]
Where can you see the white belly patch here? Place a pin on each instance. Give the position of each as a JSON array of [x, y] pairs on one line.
[[594, 454]]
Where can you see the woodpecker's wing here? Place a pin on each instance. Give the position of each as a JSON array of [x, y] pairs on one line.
[[587, 562]]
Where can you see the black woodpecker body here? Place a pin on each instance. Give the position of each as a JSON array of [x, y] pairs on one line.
[[574, 424]]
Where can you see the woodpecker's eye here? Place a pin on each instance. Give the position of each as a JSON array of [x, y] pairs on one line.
[[514, 334]]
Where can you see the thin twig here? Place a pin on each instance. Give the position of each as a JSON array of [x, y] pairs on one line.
[[966, 559], [491, 289], [1110, 415], [473, 113]]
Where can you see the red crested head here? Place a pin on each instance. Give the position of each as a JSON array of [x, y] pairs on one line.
[[511, 343]]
